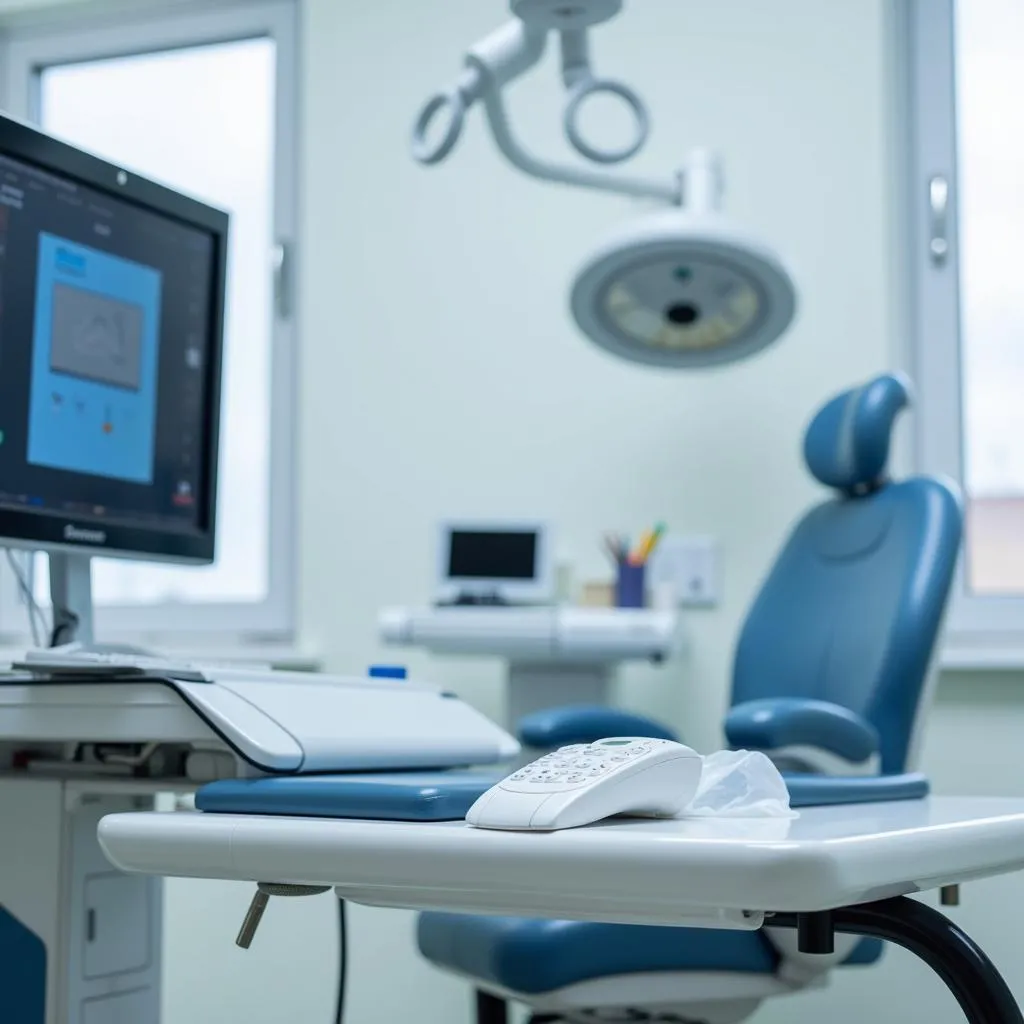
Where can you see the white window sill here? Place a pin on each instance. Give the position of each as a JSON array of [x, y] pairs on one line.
[[279, 656], [957, 658]]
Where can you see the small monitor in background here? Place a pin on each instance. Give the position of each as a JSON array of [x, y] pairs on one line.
[[494, 563]]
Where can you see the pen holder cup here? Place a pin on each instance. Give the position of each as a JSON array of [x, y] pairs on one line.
[[630, 586]]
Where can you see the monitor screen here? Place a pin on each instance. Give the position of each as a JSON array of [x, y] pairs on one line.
[[111, 302], [492, 555]]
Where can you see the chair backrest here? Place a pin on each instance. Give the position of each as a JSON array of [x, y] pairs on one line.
[[852, 608]]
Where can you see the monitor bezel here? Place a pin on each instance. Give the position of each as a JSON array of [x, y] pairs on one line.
[[53, 531], [539, 589]]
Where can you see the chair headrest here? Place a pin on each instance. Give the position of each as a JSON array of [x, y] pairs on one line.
[[847, 444]]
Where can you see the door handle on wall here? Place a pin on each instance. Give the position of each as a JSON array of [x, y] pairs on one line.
[[938, 205], [282, 264]]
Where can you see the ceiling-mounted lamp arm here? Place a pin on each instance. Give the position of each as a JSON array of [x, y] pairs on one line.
[[681, 288], [574, 48], [638, 188], [498, 60], [582, 83], [501, 57]]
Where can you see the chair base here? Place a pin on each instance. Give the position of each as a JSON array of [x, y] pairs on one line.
[[710, 997], [959, 962], [730, 1012], [967, 972], [490, 1009]]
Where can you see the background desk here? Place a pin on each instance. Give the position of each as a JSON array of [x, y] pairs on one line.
[[556, 655]]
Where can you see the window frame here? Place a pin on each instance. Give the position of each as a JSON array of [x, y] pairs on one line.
[[73, 37], [982, 630]]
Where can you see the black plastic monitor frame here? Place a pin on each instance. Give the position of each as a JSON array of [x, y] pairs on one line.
[[58, 532]]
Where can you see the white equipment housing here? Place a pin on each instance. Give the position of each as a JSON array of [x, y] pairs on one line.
[[73, 750], [556, 655]]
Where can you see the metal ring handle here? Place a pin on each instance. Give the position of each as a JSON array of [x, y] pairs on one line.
[[588, 87], [451, 101]]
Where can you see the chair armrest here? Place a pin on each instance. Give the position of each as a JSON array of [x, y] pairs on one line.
[[584, 723], [778, 722]]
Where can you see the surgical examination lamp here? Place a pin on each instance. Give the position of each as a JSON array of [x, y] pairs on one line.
[[680, 288]]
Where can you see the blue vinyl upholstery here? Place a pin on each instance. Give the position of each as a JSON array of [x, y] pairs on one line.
[[834, 653], [806, 790], [851, 610], [23, 955], [585, 723], [447, 796], [774, 722], [539, 956], [847, 443], [531, 956], [388, 796]]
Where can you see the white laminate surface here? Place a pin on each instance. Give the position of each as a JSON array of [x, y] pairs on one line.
[[645, 872]]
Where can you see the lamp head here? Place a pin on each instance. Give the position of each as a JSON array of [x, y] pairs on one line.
[[683, 290]]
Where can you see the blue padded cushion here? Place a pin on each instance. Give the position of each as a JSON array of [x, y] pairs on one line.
[[774, 722], [867, 951], [585, 723], [384, 796], [531, 956], [851, 610], [23, 964], [847, 443], [448, 795], [827, 790]]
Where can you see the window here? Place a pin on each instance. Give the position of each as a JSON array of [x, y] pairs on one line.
[[966, 165], [203, 101]]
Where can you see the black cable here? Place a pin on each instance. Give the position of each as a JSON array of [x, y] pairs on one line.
[[339, 1015], [68, 625]]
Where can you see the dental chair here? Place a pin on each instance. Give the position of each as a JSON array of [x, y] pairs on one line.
[[830, 679]]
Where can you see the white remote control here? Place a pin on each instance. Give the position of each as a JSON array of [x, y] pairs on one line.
[[583, 783]]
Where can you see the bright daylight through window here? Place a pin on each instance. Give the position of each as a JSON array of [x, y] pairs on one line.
[[200, 119]]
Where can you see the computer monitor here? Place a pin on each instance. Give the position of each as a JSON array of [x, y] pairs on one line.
[[495, 563], [111, 332]]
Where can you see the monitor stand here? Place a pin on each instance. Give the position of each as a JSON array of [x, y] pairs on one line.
[[71, 597]]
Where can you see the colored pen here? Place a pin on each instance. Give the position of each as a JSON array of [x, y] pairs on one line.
[[652, 543], [639, 552]]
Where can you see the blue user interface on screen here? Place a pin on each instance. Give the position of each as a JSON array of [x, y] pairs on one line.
[[93, 393]]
